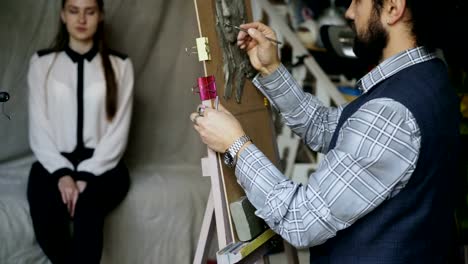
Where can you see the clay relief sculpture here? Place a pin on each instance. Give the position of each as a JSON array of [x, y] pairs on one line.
[[236, 64]]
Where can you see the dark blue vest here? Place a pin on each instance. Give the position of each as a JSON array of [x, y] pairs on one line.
[[416, 225]]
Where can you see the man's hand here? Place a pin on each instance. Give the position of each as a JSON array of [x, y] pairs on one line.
[[69, 192], [262, 52], [217, 129]]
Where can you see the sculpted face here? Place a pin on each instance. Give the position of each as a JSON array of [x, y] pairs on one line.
[[229, 13], [236, 65]]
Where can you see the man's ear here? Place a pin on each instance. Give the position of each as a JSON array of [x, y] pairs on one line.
[[394, 11]]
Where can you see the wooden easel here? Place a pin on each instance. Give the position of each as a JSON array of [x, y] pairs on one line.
[[255, 117]]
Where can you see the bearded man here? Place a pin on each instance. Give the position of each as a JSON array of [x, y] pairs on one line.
[[383, 193]]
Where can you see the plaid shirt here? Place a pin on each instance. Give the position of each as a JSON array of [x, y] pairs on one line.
[[374, 157]]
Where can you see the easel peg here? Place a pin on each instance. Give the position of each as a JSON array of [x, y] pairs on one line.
[[190, 52]]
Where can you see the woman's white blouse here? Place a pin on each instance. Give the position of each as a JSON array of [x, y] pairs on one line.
[[53, 110]]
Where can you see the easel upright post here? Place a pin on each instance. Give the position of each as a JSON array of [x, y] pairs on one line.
[[211, 167]]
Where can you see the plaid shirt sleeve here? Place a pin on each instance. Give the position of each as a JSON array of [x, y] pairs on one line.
[[374, 158], [303, 113]]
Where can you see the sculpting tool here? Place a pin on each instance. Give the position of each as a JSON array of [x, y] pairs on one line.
[[245, 30]]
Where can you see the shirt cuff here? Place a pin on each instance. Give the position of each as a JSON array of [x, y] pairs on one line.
[[84, 176], [281, 89], [257, 175], [61, 173], [271, 78]]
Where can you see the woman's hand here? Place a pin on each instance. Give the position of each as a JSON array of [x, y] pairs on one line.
[[218, 129], [69, 192], [81, 185], [262, 52]]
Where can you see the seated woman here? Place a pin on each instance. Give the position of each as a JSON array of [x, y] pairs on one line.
[[80, 104]]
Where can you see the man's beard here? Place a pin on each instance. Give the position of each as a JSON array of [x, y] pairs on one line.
[[370, 45]]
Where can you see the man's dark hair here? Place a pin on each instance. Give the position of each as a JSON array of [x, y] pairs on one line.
[[439, 24]]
